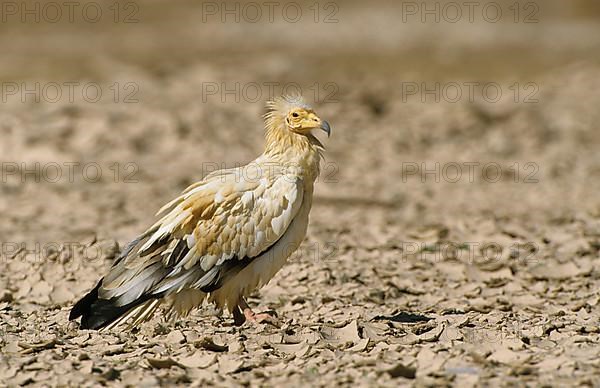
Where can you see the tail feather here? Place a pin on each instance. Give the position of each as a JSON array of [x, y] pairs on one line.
[[97, 313]]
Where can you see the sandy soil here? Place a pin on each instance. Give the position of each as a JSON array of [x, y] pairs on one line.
[[452, 242]]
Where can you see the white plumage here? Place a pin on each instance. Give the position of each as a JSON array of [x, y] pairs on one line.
[[224, 237]]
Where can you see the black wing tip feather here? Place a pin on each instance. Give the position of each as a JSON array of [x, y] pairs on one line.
[[84, 306], [90, 309], [97, 313]]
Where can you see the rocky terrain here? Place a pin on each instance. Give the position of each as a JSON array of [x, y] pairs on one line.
[[455, 231]]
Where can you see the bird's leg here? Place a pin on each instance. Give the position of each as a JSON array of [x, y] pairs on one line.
[[254, 317], [238, 317]]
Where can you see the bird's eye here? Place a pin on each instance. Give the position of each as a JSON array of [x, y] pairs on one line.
[[295, 114]]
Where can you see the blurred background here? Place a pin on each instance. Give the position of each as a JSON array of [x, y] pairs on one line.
[[452, 121], [170, 86]]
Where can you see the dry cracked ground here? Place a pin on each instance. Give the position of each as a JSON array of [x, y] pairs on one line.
[[451, 242]]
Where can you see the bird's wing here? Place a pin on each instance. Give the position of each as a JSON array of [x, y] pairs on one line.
[[214, 229]]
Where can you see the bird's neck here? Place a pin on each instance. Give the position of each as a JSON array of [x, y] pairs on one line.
[[300, 154]]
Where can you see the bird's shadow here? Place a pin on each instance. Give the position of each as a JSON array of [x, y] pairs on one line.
[[403, 317]]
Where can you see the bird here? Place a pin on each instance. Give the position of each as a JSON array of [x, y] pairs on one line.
[[224, 237]]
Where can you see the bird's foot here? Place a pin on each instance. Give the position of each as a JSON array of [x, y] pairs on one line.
[[253, 317]]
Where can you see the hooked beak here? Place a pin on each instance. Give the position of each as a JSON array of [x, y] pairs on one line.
[[326, 127]]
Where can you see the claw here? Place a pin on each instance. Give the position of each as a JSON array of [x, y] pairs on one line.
[[251, 316]]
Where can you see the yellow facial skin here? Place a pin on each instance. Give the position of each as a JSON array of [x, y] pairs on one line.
[[303, 121]]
